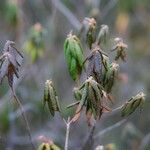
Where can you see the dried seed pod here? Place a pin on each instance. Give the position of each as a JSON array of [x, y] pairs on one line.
[[131, 105], [74, 55], [97, 101], [89, 24], [110, 76], [95, 65], [10, 65], [91, 98], [90, 38], [51, 98], [103, 34], [120, 47], [94, 99]]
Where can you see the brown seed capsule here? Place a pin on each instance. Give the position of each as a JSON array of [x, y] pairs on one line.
[[95, 65], [89, 24], [10, 65]]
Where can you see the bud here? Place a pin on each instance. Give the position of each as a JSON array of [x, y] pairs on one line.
[[74, 55], [51, 98], [131, 105]]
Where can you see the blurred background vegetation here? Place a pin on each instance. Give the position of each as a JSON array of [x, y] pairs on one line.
[[39, 29]]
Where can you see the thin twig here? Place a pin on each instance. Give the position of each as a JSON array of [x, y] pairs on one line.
[[9, 95], [17, 113], [145, 141], [89, 141], [67, 133], [110, 128], [108, 7], [24, 117], [67, 13]]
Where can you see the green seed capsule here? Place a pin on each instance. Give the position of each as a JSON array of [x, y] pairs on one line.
[[109, 77], [44, 146], [51, 98], [74, 55], [131, 105]]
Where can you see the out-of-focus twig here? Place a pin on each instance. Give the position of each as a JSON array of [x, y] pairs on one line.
[[111, 4], [89, 141], [67, 13], [17, 113], [24, 117], [110, 128], [145, 141]]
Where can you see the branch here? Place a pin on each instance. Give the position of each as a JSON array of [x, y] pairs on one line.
[[110, 128], [89, 141], [17, 113], [9, 95], [108, 7], [145, 141], [24, 117], [67, 13]]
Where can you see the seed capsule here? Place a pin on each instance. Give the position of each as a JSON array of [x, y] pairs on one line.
[[131, 105], [95, 65], [74, 55], [51, 98], [110, 76], [89, 24], [91, 98]]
